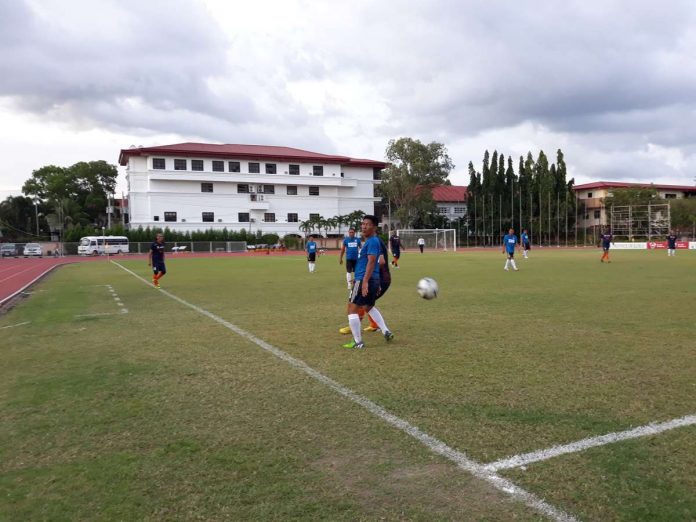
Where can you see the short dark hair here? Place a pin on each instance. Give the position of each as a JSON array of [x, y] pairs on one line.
[[371, 218]]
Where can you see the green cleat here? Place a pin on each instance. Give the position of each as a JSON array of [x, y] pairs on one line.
[[353, 344]]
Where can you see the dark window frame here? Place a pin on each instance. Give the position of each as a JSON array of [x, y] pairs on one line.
[[293, 217], [234, 166], [290, 169], [311, 187], [294, 193], [256, 169], [272, 220], [168, 217], [240, 187], [208, 217], [317, 170], [240, 215], [197, 165], [205, 185], [271, 168], [218, 166], [156, 162], [269, 189], [180, 164]]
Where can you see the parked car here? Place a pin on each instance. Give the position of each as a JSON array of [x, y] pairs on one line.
[[32, 249], [8, 250]]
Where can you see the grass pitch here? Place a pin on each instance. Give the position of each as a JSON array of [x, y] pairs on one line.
[[162, 413]]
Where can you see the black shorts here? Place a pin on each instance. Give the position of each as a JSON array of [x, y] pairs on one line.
[[383, 287], [511, 255], [159, 268], [312, 257], [350, 265], [396, 253], [357, 298], [527, 246], [605, 248]]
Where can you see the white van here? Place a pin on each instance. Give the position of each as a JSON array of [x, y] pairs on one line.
[[98, 245]]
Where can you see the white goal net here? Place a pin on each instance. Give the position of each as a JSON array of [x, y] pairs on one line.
[[435, 238]]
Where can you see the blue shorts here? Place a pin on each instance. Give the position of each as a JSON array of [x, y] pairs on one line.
[[159, 268], [357, 298]]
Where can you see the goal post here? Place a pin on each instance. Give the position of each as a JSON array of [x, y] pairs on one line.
[[443, 239]]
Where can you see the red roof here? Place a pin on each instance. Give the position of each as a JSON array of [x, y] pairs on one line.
[[246, 151], [449, 193], [616, 184]]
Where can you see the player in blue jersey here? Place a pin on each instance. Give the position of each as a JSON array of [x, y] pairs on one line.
[[155, 259], [525, 243], [509, 242], [607, 239], [366, 287], [311, 249], [671, 243], [351, 249]]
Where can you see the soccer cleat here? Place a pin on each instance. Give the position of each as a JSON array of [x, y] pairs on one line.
[[345, 330], [353, 344], [388, 336], [370, 329]]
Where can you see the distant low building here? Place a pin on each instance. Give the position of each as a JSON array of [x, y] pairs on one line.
[[592, 196], [450, 201]]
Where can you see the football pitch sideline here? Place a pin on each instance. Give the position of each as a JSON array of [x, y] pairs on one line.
[[178, 408]]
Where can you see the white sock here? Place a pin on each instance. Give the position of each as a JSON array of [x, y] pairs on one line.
[[377, 318], [309, 266], [514, 266], [507, 264], [354, 323], [348, 278]]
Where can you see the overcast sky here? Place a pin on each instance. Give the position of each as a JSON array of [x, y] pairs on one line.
[[611, 83]]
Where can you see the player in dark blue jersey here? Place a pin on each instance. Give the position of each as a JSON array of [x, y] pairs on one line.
[[311, 249], [351, 249], [607, 239], [155, 259], [367, 284], [526, 246], [395, 243], [671, 243], [509, 242]]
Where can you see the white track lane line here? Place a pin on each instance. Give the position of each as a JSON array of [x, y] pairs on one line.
[[642, 431], [14, 325], [435, 445]]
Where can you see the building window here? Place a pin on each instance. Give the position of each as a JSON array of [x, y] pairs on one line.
[[254, 168], [459, 210], [670, 196], [155, 218], [233, 166], [206, 187], [179, 164], [292, 190], [343, 175], [294, 170], [313, 191], [292, 217], [589, 195], [317, 170], [597, 214], [269, 217], [270, 168], [208, 217], [443, 210], [376, 173], [159, 163], [242, 188], [218, 166], [314, 216], [269, 189], [243, 217], [170, 216], [197, 165]]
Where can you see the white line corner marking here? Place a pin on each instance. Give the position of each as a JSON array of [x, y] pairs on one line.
[[642, 431], [435, 445]]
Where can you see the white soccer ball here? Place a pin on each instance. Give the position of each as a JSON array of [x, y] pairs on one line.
[[427, 288]]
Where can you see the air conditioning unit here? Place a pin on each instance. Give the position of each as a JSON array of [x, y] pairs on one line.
[[183, 221], [219, 220]]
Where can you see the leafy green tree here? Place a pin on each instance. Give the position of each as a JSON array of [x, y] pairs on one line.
[[415, 168], [631, 196], [683, 214]]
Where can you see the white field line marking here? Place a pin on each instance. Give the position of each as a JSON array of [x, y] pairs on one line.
[[102, 314], [13, 325], [435, 445], [3, 301], [555, 451]]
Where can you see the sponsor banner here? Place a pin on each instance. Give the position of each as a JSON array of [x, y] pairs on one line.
[[629, 246], [658, 245]]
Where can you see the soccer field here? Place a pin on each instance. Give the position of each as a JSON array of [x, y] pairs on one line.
[[120, 401]]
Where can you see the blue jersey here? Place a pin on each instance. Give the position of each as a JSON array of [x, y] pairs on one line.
[[311, 247], [606, 240], [157, 250], [352, 246], [395, 243], [371, 247], [525, 238], [510, 240], [672, 241]]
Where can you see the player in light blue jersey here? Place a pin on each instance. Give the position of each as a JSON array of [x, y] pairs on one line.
[[311, 249], [351, 248], [509, 242]]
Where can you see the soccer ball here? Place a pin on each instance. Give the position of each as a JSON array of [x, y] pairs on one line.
[[427, 288]]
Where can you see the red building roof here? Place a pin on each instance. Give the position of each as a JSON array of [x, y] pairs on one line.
[[449, 193], [246, 151], [616, 184]]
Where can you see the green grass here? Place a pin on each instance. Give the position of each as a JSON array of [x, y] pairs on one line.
[[164, 414]]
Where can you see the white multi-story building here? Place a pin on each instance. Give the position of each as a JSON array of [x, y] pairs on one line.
[[200, 186]]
